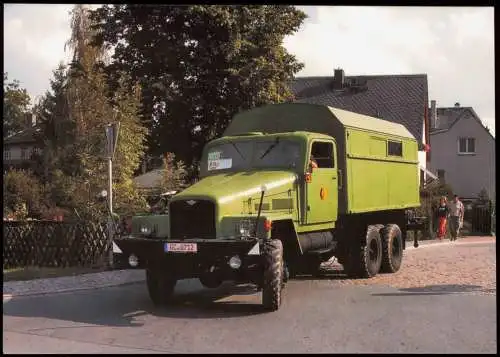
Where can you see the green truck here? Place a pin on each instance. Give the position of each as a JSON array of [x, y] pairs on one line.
[[287, 187]]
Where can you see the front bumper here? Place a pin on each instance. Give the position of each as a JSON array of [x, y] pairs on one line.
[[210, 252]]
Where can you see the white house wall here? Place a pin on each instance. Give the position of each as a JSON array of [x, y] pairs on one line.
[[422, 155], [467, 174]]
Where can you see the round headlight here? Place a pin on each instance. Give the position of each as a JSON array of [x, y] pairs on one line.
[[235, 262], [145, 230], [133, 260]]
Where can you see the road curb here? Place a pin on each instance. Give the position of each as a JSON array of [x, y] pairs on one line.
[[10, 296], [59, 285]]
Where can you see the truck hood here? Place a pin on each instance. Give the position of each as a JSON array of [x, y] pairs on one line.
[[227, 187]]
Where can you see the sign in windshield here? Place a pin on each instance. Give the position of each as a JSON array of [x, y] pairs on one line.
[[245, 155]]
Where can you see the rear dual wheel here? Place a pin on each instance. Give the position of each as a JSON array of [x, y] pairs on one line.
[[365, 260], [392, 245], [383, 252]]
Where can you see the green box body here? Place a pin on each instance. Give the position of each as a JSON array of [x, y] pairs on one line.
[[374, 168]]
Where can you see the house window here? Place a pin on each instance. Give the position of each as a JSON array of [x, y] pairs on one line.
[[466, 145], [6, 154], [394, 148], [323, 154]]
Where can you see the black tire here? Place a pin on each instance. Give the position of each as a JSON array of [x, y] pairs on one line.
[[160, 286], [210, 282], [365, 260], [272, 254], [392, 248]]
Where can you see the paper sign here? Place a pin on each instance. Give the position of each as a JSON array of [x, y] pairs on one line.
[[220, 164], [214, 155]]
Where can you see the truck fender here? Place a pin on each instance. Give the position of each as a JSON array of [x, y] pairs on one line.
[[286, 232]]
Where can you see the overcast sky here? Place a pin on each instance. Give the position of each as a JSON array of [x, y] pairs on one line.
[[453, 46]]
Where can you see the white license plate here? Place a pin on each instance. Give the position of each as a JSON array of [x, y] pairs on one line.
[[181, 247]]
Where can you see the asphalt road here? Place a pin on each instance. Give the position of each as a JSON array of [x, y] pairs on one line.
[[317, 315]]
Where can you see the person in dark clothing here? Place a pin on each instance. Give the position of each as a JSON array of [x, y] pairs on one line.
[[442, 213]]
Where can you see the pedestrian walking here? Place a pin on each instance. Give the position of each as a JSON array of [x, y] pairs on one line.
[[442, 213], [456, 217]]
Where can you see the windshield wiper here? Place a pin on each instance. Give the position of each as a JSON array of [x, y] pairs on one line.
[[272, 146], [236, 148]]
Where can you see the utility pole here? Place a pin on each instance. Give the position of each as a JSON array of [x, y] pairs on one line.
[[112, 131]]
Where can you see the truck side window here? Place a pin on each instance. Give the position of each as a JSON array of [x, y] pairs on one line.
[[394, 148], [323, 154]]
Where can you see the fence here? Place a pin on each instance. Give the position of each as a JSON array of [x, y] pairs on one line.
[[54, 244]]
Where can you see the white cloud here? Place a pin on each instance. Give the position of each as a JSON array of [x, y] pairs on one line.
[[34, 38], [454, 46]]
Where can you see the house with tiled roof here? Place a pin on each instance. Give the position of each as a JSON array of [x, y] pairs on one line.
[[463, 150], [400, 99]]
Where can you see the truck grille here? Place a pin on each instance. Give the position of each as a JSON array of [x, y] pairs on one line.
[[192, 219]]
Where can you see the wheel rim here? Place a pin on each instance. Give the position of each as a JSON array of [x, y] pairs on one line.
[[396, 249], [373, 251]]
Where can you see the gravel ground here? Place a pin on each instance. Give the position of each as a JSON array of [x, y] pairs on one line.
[[458, 267], [461, 266]]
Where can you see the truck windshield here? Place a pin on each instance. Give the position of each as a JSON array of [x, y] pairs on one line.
[[245, 155]]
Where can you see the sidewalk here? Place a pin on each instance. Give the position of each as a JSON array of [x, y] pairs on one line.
[[72, 283]]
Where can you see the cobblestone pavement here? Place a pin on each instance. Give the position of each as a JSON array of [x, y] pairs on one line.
[[455, 267], [434, 266]]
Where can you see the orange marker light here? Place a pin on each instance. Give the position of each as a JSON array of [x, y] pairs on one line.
[[323, 193], [267, 225]]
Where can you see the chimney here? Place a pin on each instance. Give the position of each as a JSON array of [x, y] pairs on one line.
[[30, 119], [457, 105], [434, 117], [338, 78]]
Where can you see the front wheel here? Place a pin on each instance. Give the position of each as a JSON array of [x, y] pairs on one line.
[[160, 286], [272, 254]]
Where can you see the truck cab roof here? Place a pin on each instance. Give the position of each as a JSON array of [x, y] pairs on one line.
[[299, 134]]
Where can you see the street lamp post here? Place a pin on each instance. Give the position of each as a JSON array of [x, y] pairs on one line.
[[112, 131]]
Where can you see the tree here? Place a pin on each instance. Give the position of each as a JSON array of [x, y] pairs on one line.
[[16, 103], [199, 65], [174, 174], [57, 130], [74, 115], [23, 194], [92, 106]]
